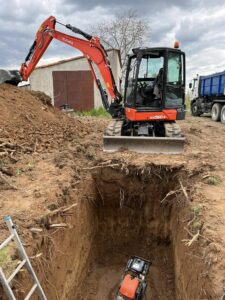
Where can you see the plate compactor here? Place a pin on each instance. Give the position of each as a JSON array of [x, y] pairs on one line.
[[133, 284]]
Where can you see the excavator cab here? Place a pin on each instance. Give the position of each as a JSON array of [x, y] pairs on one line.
[[155, 81]]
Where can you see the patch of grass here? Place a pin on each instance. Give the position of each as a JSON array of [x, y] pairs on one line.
[[196, 209], [213, 180], [95, 112], [7, 259], [195, 223], [75, 143], [29, 167], [19, 172], [4, 256]]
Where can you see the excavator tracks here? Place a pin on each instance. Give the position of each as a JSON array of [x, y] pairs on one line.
[[172, 129], [114, 128], [172, 143]]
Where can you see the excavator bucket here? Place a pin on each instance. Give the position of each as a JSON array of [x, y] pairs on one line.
[[140, 144], [10, 76]]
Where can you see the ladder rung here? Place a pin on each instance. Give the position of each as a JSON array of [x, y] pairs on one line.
[[6, 286], [31, 291], [5, 243], [25, 261], [16, 270]]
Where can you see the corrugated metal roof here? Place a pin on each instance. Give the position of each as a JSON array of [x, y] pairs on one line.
[[59, 62]]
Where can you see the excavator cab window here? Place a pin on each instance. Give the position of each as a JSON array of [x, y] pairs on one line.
[[174, 96], [149, 67], [150, 81], [145, 80], [130, 81]]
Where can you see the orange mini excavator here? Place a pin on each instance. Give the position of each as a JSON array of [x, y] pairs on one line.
[[133, 284], [144, 120]]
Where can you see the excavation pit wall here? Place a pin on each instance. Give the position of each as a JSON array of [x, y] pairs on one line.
[[121, 213]]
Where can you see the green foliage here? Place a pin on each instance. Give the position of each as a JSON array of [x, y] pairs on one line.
[[29, 167], [7, 262], [95, 112], [4, 256], [19, 172], [213, 180], [196, 209], [196, 223]]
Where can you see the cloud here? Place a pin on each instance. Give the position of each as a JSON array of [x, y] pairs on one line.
[[200, 32], [17, 32], [147, 7]]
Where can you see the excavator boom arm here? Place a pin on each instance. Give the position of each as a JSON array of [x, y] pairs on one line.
[[91, 48], [38, 47]]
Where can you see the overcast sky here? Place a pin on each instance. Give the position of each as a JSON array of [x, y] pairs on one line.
[[198, 25]]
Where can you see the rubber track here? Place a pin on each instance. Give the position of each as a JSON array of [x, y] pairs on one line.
[[172, 129], [114, 128]]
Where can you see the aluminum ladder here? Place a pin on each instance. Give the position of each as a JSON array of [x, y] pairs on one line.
[[25, 262]]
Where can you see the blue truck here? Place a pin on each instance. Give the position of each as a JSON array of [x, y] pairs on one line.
[[208, 96]]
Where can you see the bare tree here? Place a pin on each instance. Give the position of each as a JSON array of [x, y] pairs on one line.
[[124, 32]]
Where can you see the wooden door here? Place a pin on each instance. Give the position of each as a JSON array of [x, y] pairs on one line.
[[75, 88]]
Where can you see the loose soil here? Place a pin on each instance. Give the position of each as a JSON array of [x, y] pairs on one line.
[[108, 207]]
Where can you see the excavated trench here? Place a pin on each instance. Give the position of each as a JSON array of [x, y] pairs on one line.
[[121, 214], [131, 222]]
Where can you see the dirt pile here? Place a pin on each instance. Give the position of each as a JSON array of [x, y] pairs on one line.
[[28, 124], [45, 99]]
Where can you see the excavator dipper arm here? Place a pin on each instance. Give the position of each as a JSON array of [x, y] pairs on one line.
[[92, 50]]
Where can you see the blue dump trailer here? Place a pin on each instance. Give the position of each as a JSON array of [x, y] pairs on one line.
[[212, 85], [208, 96]]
